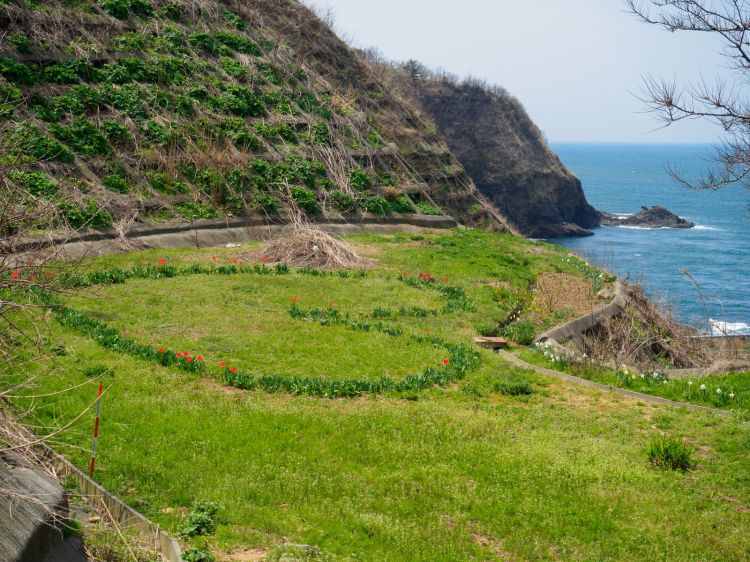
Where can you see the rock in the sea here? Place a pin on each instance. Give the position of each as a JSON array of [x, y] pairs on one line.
[[649, 217]]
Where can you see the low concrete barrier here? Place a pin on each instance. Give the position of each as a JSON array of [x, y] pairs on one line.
[[124, 515], [217, 232], [575, 329]]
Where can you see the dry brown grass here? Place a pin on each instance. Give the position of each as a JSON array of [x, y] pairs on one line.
[[645, 336], [309, 246]]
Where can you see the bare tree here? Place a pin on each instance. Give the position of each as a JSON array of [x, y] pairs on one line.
[[720, 102]]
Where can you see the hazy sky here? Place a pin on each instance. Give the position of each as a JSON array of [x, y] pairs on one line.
[[576, 65]]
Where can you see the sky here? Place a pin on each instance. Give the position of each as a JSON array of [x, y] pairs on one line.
[[576, 65]]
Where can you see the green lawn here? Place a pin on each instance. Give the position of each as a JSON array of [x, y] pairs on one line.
[[454, 472]]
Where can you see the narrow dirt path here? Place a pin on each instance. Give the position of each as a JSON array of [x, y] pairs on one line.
[[605, 387]]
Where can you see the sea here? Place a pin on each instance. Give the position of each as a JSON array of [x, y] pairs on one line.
[[701, 274]]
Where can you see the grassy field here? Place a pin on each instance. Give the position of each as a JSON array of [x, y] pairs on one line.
[[467, 470]]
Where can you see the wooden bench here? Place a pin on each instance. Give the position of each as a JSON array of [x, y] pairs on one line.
[[491, 342]]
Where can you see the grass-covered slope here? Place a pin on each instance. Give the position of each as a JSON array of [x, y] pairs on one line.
[[416, 459], [193, 109]]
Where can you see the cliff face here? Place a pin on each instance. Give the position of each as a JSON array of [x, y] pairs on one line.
[[507, 157], [184, 109]]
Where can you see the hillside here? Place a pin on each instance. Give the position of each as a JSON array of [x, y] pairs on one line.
[[131, 110], [251, 407], [499, 146]]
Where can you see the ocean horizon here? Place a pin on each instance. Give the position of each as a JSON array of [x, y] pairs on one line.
[[701, 274]]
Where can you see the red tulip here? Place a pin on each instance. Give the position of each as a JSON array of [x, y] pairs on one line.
[[161, 350], [213, 258], [162, 261], [178, 354], [232, 369], [263, 258], [189, 359], [445, 279], [294, 299], [235, 260], [199, 358], [15, 275], [445, 361], [222, 364], [426, 330]]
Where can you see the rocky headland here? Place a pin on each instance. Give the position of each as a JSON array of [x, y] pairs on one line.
[[648, 217]]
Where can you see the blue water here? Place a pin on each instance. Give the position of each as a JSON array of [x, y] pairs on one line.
[[619, 178]]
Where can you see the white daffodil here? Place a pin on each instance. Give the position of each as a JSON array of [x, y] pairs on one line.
[[703, 387], [690, 383], [731, 395], [718, 391]]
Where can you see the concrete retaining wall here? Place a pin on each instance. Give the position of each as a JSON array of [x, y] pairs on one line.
[[207, 233], [575, 330]]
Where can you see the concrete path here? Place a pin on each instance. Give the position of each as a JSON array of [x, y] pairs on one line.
[[605, 387]]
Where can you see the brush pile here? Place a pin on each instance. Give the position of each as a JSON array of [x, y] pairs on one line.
[[309, 246], [645, 336]]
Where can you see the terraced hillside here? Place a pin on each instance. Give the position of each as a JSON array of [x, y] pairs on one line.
[[138, 110]]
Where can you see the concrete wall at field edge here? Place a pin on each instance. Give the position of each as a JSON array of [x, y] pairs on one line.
[[218, 232]]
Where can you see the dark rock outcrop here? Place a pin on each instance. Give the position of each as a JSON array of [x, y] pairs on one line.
[[649, 217], [507, 157]]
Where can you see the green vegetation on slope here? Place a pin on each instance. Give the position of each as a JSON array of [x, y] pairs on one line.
[[166, 109], [501, 463]]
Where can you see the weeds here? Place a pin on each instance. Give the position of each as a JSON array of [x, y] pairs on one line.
[[670, 453]]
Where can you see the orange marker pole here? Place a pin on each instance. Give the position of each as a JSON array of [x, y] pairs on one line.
[[96, 431]]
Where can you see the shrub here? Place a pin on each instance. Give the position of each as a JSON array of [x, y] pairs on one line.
[[426, 209], [321, 134], [201, 520], [193, 211], [36, 183], [343, 202], [514, 388], [268, 203], [127, 99], [376, 204], [232, 67], [195, 554], [359, 179], [279, 103], [18, 72], [10, 97], [80, 99], [20, 42], [235, 19], [280, 131], [95, 371], [117, 133], [156, 133], [121, 9], [67, 72], [270, 73], [116, 182], [305, 199], [402, 205], [184, 106], [239, 43], [88, 215], [670, 453], [83, 137], [30, 141], [240, 100], [375, 140], [521, 332], [163, 183]]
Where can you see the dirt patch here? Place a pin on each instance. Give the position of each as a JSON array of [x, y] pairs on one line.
[[493, 544], [246, 555]]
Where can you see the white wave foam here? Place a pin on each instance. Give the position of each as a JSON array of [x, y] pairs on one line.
[[704, 227], [630, 227], [721, 328]]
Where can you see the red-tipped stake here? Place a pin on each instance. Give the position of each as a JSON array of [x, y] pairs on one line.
[[96, 430]]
